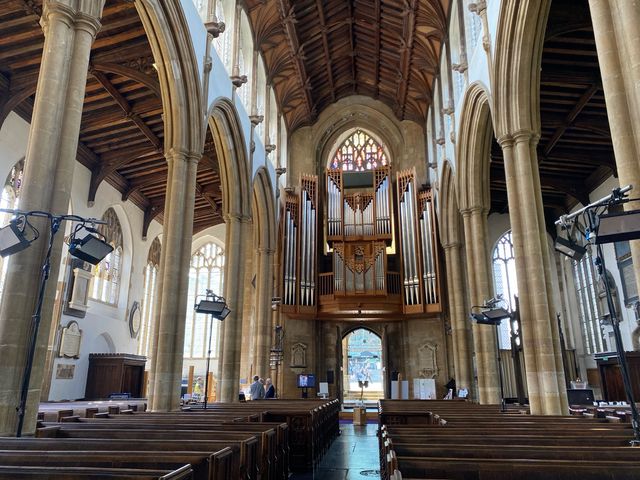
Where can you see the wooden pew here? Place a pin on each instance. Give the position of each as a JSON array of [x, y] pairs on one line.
[[69, 473]]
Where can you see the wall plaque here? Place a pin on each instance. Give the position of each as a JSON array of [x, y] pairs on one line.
[[65, 371], [70, 340]]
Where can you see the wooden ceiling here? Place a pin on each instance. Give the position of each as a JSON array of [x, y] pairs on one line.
[[121, 134], [575, 151], [319, 51]]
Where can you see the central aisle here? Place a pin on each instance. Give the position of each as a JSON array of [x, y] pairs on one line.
[[353, 456]]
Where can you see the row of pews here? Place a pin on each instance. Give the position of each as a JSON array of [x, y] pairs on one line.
[[263, 440], [435, 439]]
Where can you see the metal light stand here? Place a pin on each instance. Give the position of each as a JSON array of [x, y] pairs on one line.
[[54, 225], [503, 405], [616, 197], [206, 379], [615, 323]]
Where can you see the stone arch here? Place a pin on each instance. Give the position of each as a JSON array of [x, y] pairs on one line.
[[473, 149], [232, 158], [351, 329], [340, 118], [518, 55], [169, 37], [109, 346], [264, 210], [448, 213]]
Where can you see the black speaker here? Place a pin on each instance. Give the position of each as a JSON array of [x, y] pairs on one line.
[[330, 377]]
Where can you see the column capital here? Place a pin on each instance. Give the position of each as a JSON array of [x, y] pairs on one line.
[[519, 136], [474, 210], [177, 153], [451, 245], [236, 218], [265, 251], [76, 13]]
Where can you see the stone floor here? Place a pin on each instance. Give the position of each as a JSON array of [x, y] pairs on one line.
[[353, 456]]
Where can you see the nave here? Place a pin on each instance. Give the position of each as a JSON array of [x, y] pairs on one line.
[[305, 440]]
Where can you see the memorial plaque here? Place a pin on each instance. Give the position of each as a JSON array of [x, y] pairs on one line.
[[65, 371], [70, 340]]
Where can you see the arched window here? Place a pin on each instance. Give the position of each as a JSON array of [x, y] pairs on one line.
[[222, 43], [206, 273], [245, 90], [106, 275], [149, 299], [359, 152], [505, 282], [9, 200]]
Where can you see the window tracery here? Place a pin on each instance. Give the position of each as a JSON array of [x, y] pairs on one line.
[[149, 299], [9, 200], [206, 272], [359, 152], [106, 275]]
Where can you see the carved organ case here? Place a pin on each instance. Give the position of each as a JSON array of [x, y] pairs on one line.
[[381, 254], [299, 246], [419, 258]]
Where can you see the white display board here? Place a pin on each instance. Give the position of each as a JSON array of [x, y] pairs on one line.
[[400, 390], [424, 388]]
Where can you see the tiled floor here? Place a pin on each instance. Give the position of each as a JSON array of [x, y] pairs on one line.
[[353, 456]]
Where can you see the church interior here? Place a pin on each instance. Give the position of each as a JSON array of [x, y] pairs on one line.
[[414, 222]]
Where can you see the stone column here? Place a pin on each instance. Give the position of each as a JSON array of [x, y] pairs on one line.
[[263, 311], [480, 286], [618, 49], [69, 26], [459, 316], [236, 237], [174, 274], [540, 336]]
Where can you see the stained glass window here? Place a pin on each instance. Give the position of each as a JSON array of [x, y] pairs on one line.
[[206, 272], [358, 153], [505, 282], [106, 275], [149, 298]]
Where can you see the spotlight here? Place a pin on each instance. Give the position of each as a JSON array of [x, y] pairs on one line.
[[618, 227], [569, 248], [213, 305], [90, 249], [12, 238]]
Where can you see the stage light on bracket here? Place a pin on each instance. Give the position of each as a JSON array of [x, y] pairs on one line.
[[213, 305], [619, 227], [12, 237], [90, 249], [569, 248]]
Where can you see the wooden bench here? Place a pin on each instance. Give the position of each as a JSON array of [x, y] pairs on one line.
[[69, 473]]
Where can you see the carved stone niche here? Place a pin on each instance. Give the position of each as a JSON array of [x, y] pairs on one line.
[[70, 339], [76, 300], [299, 355], [428, 360]]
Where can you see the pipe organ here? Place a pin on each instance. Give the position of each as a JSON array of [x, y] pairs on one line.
[[377, 251], [299, 247]]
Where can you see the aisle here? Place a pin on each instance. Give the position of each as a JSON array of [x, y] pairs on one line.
[[353, 456]]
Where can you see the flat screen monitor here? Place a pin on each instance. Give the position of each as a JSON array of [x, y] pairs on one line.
[[306, 380]]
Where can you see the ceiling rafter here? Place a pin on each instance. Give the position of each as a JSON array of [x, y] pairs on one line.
[[327, 53]]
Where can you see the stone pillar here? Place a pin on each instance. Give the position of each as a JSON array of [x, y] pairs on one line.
[[480, 286], [540, 336], [263, 311], [70, 27], [459, 316], [617, 38], [236, 237], [172, 302]]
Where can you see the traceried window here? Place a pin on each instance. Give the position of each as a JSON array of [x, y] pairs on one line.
[[106, 275], [206, 272], [149, 298], [9, 200], [358, 153], [505, 282], [584, 276], [222, 43]]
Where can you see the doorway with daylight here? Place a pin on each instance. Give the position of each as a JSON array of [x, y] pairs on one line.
[[362, 365]]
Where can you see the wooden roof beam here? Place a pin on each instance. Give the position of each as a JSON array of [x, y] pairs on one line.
[[287, 16], [569, 119], [408, 34], [378, 17], [325, 45]]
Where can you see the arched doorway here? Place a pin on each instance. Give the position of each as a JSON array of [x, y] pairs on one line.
[[362, 364]]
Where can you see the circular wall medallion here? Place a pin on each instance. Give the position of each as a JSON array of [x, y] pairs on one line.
[[135, 319]]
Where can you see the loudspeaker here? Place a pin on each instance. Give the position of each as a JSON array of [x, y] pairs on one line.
[[330, 377]]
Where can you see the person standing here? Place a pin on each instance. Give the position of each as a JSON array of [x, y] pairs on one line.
[[257, 389], [271, 390]]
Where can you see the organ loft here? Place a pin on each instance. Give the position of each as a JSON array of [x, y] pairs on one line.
[[254, 219]]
